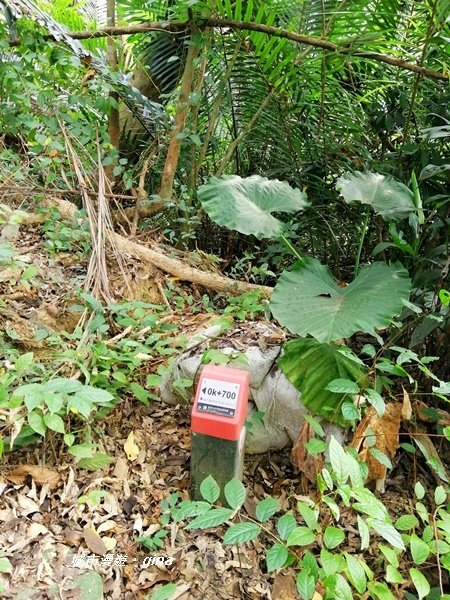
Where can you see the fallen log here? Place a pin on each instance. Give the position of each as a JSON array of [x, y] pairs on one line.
[[173, 266]]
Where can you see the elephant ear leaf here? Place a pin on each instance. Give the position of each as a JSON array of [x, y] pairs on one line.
[[246, 205], [388, 197], [309, 301], [311, 366]]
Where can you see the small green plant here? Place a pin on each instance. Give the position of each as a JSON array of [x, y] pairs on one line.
[[153, 542], [313, 536], [20, 271], [62, 235], [33, 409], [246, 306]]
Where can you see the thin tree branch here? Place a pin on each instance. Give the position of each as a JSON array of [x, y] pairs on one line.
[[180, 26]]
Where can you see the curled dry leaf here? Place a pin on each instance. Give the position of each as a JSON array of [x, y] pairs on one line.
[[406, 406], [40, 475], [35, 530], [385, 430], [94, 542], [302, 461], [438, 415], [72, 537], [131, 448]]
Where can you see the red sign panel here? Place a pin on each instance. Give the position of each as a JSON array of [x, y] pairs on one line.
[[221, 400]]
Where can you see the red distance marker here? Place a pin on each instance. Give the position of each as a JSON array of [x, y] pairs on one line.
[[221, 402]]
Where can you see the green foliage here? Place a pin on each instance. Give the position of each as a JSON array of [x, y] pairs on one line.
[[246, 205], [153, 542], [307, 300], [34, 403], [311, 538], [312, 366], [388, 197], [67, 236]]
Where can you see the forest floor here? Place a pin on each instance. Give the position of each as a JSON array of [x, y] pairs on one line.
[[55, 522], [70, 533]]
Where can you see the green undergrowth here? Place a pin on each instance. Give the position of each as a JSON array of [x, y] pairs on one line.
[[406, 557]]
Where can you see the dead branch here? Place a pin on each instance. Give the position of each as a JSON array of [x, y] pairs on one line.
[[173, 266]]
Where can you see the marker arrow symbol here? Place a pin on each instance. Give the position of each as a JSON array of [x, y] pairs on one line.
[[204, 390]]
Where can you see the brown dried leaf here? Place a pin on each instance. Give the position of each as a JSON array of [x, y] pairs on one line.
[[420, 412], [40, 475], [406, 406], [302, 461], [284, 588], [35, 530], [120, 469], [71, 537], [94, 542], [385, 430]]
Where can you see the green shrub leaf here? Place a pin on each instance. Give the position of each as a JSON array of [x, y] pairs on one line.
[[342, 590], [393, 575], [98, 461], [276, 556], [440, 495], [406, 522], [363, 532], [54, 422], [241, 532], [388, 532], [266, 509], [309, 515], [388, 197], [356, 573], [166, 592], [310, 366], [419, 490], [301, 536], [419, 549], [209, 489], [343, 386], [376, 400], [333, 537], [212, 518], [286, 525], [189, 508], [235, 493], [420, 583], [305, 585], [36, 422]]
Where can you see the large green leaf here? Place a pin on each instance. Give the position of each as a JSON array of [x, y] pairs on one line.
[[388, 197], [310, 366], [246, 205], [308, 300]]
